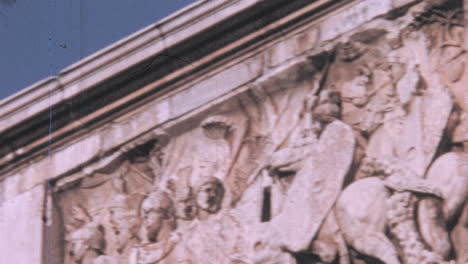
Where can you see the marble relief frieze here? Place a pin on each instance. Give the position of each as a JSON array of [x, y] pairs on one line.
[[359, 155]]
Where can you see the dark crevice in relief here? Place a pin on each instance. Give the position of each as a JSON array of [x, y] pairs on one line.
[[266, 205], [303, 258]]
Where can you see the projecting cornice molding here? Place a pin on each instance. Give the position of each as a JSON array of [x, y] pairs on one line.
[[287, 131], [158, 62]]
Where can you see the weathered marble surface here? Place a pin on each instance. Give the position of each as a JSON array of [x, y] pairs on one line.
[[355, 155], [21, 227], [346, 142]]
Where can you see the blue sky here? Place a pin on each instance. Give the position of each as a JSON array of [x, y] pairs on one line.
[[38, 38]]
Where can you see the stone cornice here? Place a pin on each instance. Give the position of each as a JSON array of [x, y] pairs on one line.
[[104, 58], [142, 64], [154, 62]]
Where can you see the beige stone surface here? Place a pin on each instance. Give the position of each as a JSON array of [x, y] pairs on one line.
[[215, 86], [340, 140], [352, 17], [21, 226]]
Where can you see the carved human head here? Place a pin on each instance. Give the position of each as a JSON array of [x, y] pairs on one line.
[[156, 210], [216, 127], [210, 194], [327, 113], [357, 91], [329, 108]]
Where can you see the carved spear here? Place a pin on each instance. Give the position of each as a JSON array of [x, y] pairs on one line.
[[465, 22], [311, 103]]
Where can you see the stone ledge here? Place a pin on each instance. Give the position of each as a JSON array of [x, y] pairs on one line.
[[352, 17], [173, 106], [19, 139], [109, 143]]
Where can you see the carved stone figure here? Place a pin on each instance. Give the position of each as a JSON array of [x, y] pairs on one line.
[[85, 241], [122, 218], [209, 195], [450, 172], [400, 104], [157, 212], [338, 153], [158, 238], [371, 206], [323, 181], [186, 207], [220, 232]]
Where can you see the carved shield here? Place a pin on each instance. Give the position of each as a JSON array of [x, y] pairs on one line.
[[315, 187]]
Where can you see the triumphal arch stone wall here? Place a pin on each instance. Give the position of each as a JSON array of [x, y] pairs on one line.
[[249, 132]]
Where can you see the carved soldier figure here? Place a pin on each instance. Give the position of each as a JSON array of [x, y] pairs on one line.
[[182, 194], [403, 143], [158, 236], [85, 240], [123, 218], [366, 85], [158, 219], [276, 163], [214, 236], [370, 206], [284, 163], [450, 172], [308, 163]]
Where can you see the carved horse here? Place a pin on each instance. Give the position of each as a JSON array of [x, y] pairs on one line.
[[362, 216], [362, 211], [450, 173]]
